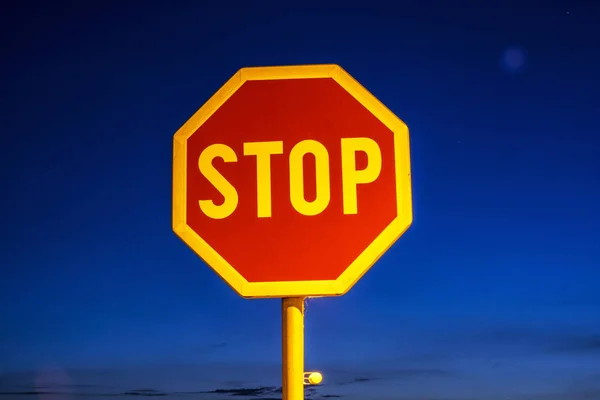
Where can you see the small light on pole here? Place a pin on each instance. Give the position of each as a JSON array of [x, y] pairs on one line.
[[313, 378]]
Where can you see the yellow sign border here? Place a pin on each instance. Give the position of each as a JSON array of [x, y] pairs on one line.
[[299, 288]]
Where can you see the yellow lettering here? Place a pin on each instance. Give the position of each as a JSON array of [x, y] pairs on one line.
[[208, 207], [263, 152], [297, 198], [350, 176]]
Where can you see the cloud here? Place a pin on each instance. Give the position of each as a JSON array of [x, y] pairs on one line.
[[351, 381], [579, 395], [540, 341], [253, 393], [578, 344], [210, 348], [421, 373], [586, 388], [394, 374], [258, 391], [143, 393], [378, 380], [82, 392], [587, 384], [537, 376]]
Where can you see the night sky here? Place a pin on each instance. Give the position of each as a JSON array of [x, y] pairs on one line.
[[493, 291]]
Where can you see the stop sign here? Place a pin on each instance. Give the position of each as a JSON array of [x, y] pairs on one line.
[[291, 181]]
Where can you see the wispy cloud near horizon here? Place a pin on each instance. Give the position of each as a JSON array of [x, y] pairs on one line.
[[539, 374]]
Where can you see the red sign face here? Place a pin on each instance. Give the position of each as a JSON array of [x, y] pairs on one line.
[[292, 182]]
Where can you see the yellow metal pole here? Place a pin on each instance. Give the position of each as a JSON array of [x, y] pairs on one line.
[[292, 309]]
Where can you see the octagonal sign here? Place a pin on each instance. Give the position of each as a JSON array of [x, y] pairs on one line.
[[291, 181]]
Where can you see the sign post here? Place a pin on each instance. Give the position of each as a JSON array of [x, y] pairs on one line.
[[292, 309], [291, 182]]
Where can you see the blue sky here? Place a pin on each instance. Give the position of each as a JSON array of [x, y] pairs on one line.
[[493, 290]]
